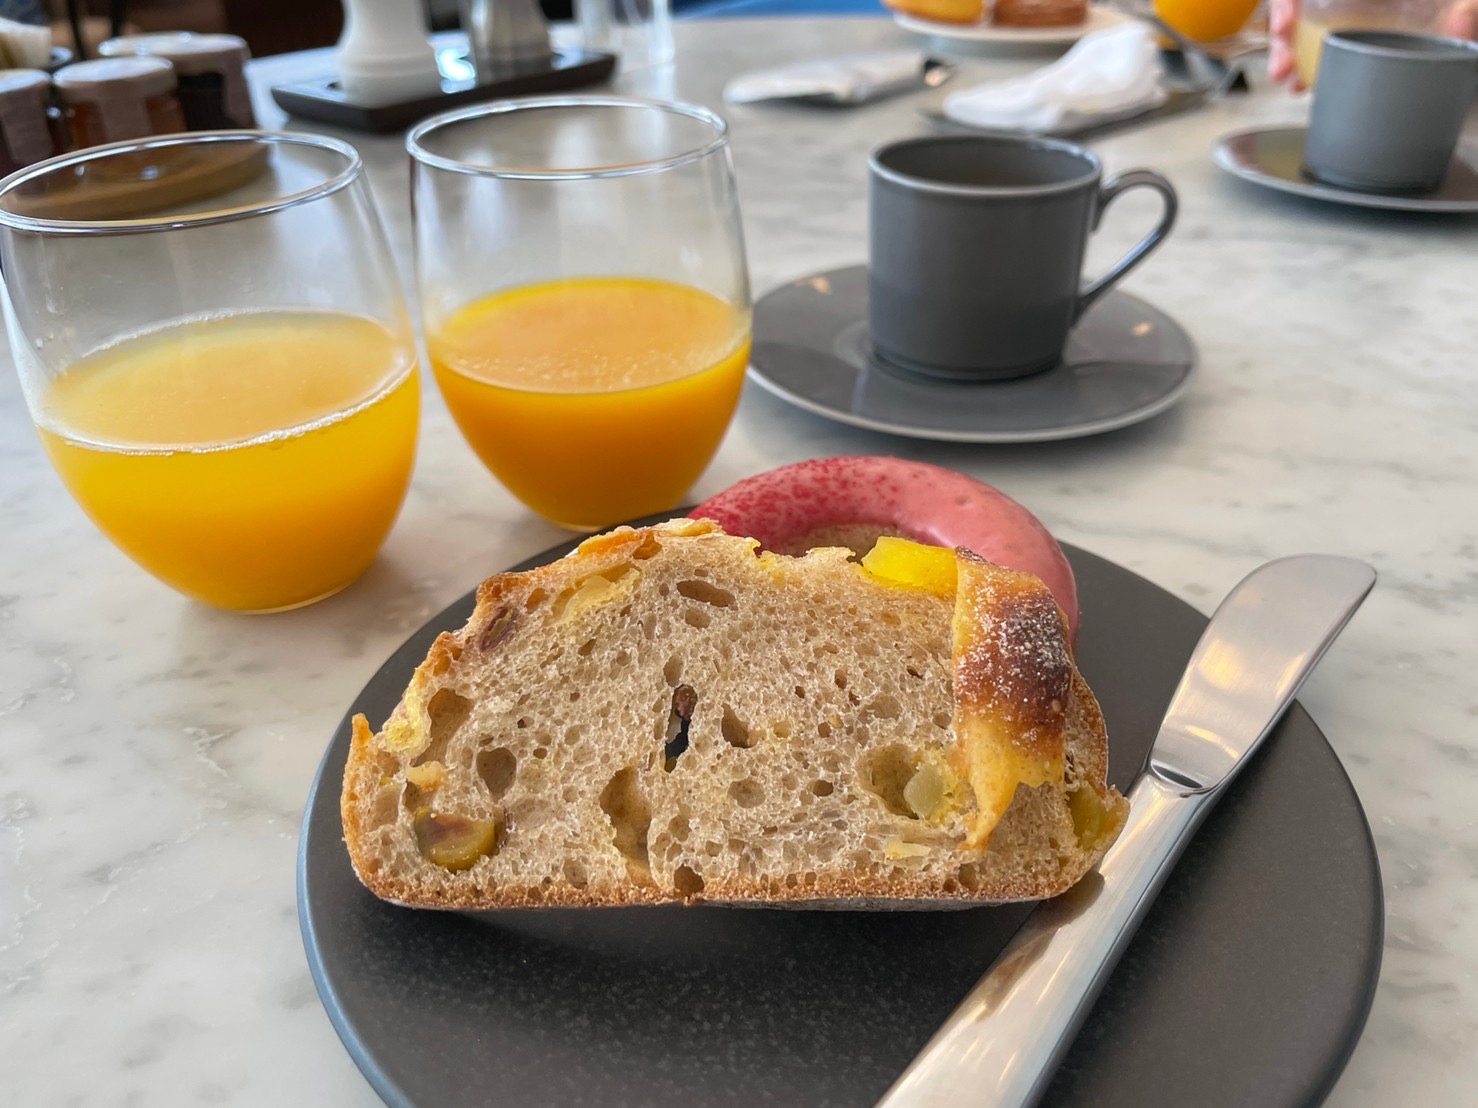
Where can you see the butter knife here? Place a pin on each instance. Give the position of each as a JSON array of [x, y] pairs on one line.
[[1002, 1045]]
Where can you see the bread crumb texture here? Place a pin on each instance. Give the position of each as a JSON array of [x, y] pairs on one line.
[[669, 714]]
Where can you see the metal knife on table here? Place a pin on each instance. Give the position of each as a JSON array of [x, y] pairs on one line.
[[1002, 1045]]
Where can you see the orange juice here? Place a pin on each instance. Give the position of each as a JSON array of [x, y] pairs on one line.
[[253, 461], [594, 400], [1205, 20]]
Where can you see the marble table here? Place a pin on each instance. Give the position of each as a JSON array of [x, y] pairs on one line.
[[155, 755]]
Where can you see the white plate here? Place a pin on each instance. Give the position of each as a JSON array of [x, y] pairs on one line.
[[1100, 18]]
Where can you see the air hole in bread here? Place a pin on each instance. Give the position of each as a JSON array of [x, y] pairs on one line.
[[887, 773], [664, 589], [713, 850], [630, 815], [823, 729], [735, 730], [649, 547], [537, 597], [528, 813], [541, 752], [679, 716], [884, 706], [891, 619], [789, 782], [822, 788], [576, 873], [840, 679], [574, 733], [696, 617], [970, 876], [673, 671], [570, 794], [497, 768], [678, 827], [800, 692], [747, 793], [585, 648], [686, 882], [914, 673], [523, 721], [781, 729], [706, 592], [942, 720], [448, 711]]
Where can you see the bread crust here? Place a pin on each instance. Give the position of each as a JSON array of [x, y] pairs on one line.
[[1066, 722]]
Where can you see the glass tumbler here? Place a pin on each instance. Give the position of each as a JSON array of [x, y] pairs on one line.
[[215, 349], [586, 303], [1319, 17]]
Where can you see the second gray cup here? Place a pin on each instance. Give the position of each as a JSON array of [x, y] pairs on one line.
[[975, 256], [1388, 108]]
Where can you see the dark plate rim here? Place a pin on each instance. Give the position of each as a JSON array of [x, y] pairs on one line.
[[1222, 155]]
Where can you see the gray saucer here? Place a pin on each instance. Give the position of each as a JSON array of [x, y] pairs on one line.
[[1273, 157], [1125, 362]]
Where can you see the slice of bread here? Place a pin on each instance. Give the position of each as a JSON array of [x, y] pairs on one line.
[[668, 714]]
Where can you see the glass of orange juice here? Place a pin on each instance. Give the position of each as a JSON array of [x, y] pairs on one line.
[[1206, 20], [215, 348], [585, 297]]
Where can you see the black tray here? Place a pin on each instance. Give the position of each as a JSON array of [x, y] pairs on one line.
[[324, 100], [1248, 983]]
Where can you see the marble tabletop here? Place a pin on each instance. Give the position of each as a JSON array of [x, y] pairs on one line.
[[155, 754]]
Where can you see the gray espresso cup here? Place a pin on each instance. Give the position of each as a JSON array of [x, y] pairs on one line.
[[1388, 108], [975, 255]]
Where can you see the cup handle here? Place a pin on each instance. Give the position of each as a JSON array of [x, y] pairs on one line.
[[1107, 192]]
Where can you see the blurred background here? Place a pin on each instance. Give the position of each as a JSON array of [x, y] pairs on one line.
[[278, 26]]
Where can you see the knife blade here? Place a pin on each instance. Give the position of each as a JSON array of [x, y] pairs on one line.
[[1002, 1045]]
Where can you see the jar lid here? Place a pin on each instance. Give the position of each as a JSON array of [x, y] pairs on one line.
[[190, 53], [22, 80], [107, 77]]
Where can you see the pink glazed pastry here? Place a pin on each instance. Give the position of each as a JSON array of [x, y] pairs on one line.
[[851, 501]]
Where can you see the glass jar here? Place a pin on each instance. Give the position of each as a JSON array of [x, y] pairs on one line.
[[1319, 17], [116, 99], [211, 70], [28, 129]]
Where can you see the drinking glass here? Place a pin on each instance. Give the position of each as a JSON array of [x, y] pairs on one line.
[[1205, 20], [215, 349], [586, 303], [1318, 18]]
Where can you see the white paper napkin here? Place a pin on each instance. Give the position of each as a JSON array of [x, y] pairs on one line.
[[1108, 74]]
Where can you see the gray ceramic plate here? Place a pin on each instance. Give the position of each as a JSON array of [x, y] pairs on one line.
[[1247, 985], [1274, 157], [1125, 362]]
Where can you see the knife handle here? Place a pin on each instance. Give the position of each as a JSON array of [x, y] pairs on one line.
[[1002, 1044]]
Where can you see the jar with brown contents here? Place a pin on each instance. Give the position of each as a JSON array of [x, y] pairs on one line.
[[113, 99], [28, 132], [211, 70]]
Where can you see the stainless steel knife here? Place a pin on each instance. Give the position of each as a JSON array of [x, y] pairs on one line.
[[1003, 1043]]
